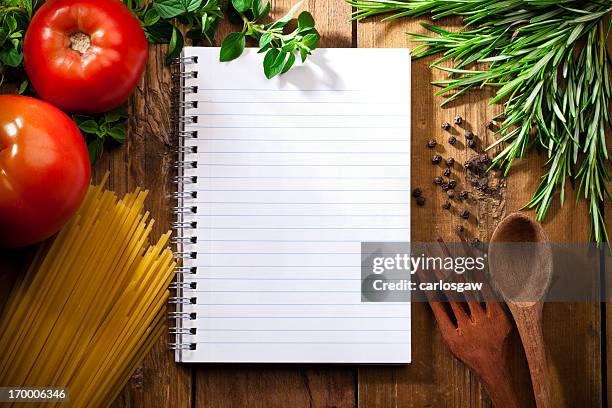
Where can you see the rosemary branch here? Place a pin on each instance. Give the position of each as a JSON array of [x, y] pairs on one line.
[[548, 61]]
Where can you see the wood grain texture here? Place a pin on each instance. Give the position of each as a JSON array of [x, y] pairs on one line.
[[146, 162], [434, 378], [572, 332], [228, 386]]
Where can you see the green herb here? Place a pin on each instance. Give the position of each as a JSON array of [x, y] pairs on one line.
[[15, 15], [98, 129], [549, 63], [161, 18], [280, 48]]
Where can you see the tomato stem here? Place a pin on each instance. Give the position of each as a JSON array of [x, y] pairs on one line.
[[80, 42]]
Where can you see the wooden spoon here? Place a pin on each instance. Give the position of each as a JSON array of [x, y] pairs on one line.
[[520, 260]]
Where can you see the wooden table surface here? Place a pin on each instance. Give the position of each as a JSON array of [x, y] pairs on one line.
[[574, 333]]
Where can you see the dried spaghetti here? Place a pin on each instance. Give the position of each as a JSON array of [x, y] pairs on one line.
[[91, 305]]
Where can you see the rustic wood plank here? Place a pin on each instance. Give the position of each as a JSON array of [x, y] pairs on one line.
[[146, 162], [435, 378], [219, 386]]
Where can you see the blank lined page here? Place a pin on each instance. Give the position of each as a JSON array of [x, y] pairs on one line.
[[293, 174]]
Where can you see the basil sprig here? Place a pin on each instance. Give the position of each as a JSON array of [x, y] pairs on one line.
[[280, 48]]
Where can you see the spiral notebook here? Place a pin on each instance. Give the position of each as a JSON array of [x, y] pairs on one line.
[[279, 183]]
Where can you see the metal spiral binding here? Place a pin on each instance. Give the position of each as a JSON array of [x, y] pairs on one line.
[[185, 230]]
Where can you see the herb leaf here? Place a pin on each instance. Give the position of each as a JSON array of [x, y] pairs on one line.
[[232, 47]]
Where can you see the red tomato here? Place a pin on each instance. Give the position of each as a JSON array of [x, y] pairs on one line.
[[44, 170], [85, 55]]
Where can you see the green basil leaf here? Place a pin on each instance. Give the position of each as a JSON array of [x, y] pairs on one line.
[[118, 133], [305, 20], [232, 47], [257, 8], [264, 13], [95, 150], [242, 5], [268, 61], [172, 8], [289, 63], [12, 57], [88, 126], [116, 114], [22, 87], [311, 40], [151, 17], [265, 39], [274, 61], [175, 46]]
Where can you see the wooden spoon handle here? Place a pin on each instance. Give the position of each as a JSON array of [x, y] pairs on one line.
[[529, 324], [499, 385]]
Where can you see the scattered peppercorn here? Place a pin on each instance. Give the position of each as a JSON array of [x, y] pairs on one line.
[[445, 187], [463, 194], [452, 183], [450, 161], [490, 125], [469, 135], [452, 140], [437, 180], [446, 125], [465, 214], [420, 201], [475, 243], [417, 192], [436, 159], [446, 205], [460, 229], [446, 173], [468, 164], [431, 144], [458, 120], [450, 193], [471, 143]]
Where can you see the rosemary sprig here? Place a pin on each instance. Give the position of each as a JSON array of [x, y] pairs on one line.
[[550, 67]]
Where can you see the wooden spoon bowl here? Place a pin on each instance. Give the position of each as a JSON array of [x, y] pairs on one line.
[[521, 265]]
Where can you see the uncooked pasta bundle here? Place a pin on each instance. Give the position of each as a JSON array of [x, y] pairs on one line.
[[91, 305]]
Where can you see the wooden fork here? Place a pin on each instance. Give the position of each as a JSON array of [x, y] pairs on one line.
[[479, 339]]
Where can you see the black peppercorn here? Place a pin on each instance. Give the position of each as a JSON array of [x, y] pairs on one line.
[[446, 125], [452, 183], [463, 194], [452, 140], [471, 143], [437, 180], [450, 161], [431, 144], [468, 164], [469, 135], [460, 229], [420, 201], [475, 243], [445, 187], [490, 125], [446, 205], [436, 159], [446, 173], [417, 192], [465, 214], [458, 120], [450, 193]]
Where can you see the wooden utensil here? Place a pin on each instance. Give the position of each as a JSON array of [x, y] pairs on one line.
[[479, 339], [520, 260]]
